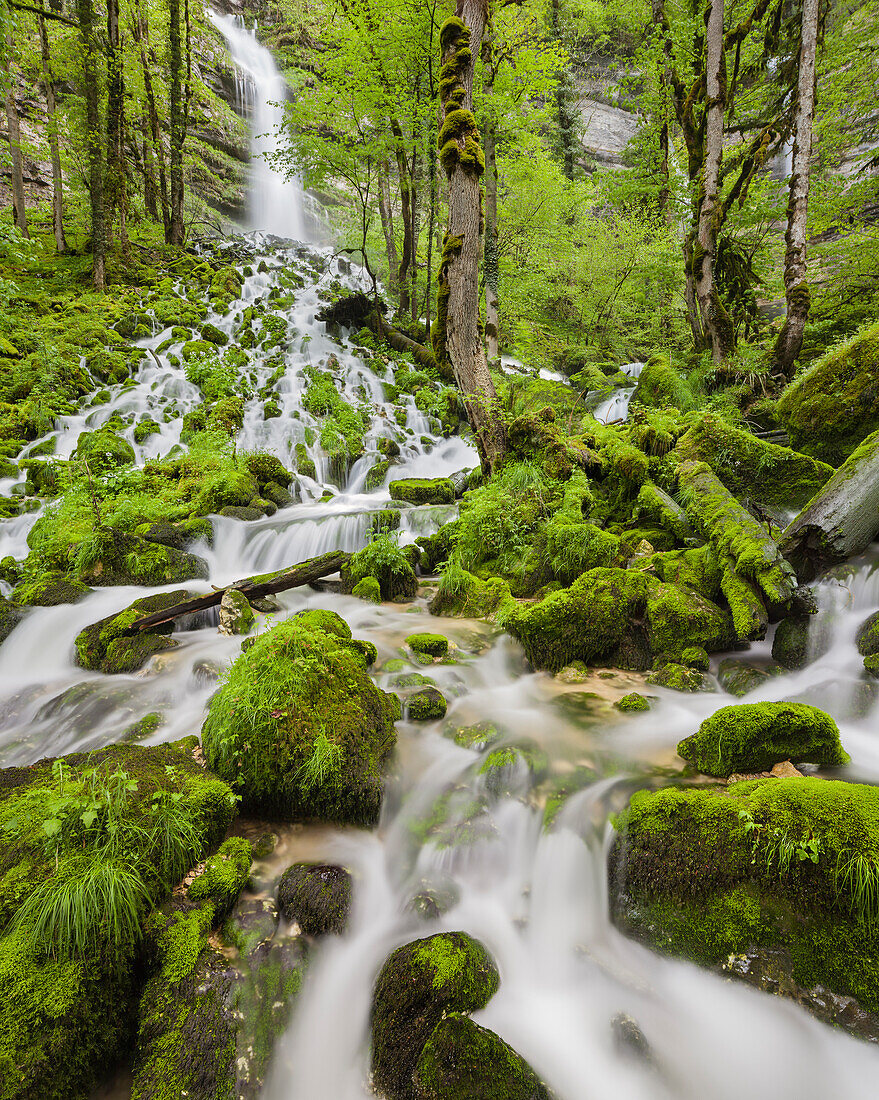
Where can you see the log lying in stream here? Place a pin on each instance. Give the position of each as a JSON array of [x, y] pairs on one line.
[[252, 587], [841, 520]]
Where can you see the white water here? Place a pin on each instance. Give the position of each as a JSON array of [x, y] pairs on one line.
[[616, 407], [536, 898]]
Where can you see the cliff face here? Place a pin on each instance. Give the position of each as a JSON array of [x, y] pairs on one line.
[[605, 125]]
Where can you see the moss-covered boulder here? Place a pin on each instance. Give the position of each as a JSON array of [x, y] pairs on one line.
[[462, 593], [423, 490], [790, 646], [469, 1062], [834, 405], [738, 677], [49, 590], [114, 557], [621, 617], [868, 636], [316, 896], [789, 865], [751, 737], [124, 824], [660, 385], [103, 450], [385, 561], [632, 702], [677, 677], [106, 646], [300, 728], [10, 617], [368, 589], [236, 615], [419, 984], [428, 645], [426, 705]]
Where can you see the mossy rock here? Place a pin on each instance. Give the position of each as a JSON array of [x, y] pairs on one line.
[[266, 468], [426, 705], [422, 490], [119, 557], [386, 563], [317, 729], [469, 1062], [790, 646], [834, 405], [65, 1019], [10, 617], [236, 615], [751, 737], [471, 597], [103, 450], [144, 429], [419, 984], [316, 896], [280, 496], [713, 872], [660, 385], [737, 677], [368, 589], [105, 646], [214, 335], [634, 701], [677, 677], [868, 636], [224, 876], [619, 617], [49, 590], [431, 645]]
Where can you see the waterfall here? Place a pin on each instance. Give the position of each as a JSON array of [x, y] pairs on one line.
[[276, 201]]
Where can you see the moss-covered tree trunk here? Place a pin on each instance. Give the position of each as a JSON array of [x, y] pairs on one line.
[[19, 209], [52, 134], [115, 188], [176, 229], [489, 144], [796, 287], [387, 219], [716, 325], [456, 337], [85, 16], [142, 34]]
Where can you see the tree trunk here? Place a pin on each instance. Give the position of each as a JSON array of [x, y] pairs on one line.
[[716, 324], [413, 213], [115, 178], [456, 336], [176, 229], [841, 520], [492, 275], [142, 34], [407, 255], [19, 209], [85, 14], [796, 288], [387, 220], [54, 149], [431, 229]]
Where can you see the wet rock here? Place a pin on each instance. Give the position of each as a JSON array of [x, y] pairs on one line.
[[278, 495], [106, 646], [319, 729], [49, 590], [429, 645], [426, 705], [790, 646], [737, 677], [252, 925], [868, 636], [368, 589], [753, 736], [246, 514], [236, 614], [317, 897], [629, 1039], [10, 617], [422, 490], [576, 673], [417, 986], [434, 901], [120, 557], [103, 451], [469, 1062], [267, 605], [207, 672], [634, 701], [678, 678]]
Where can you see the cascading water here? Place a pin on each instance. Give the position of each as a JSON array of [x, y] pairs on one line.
[[276, 201], [536, 897]]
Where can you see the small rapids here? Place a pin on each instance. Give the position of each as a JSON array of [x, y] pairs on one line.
[[535, 895]]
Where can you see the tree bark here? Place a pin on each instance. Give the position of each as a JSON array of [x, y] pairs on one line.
[[841, 520], [54, 149], [85, 14], [796, 288], [387, 220], [115, 178], [492, 274], [716, 325], [141, 33], [176, 229], [456, 336], [19, 207], [406, 198]]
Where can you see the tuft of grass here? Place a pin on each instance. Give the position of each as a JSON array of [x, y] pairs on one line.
[[857, 882], [323, 766]]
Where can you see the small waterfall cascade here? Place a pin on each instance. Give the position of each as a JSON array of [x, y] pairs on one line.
[[276, 203]]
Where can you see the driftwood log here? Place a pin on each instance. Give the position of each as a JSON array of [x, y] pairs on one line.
[[841, 520], [252, 587]]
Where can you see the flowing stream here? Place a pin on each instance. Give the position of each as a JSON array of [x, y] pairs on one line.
[[537, 897]]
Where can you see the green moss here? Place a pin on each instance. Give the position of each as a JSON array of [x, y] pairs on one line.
[[224, 875], [660, 385], [433, 645], [751, 737], [712, 872], [469, 1062], [632, 702], [834, 405], [300, 728], [49, 590], [418, 984], [103, 451], [417, 490], [677, 678], [426, 705], [105, 646], [368, 589], [385, 561]]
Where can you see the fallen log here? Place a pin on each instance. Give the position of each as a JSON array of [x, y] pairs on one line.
[[841, 520], [266, 584], [733, 532]]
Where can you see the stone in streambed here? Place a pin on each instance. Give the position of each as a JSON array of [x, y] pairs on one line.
[[868, 636], [738, 677], [426, 705], [469, 1062], [105, 646], [49, 590], [429, 645], [419, 984], [751, 737], [422, 490], [10, 617], [236, 614], [316, 896]]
